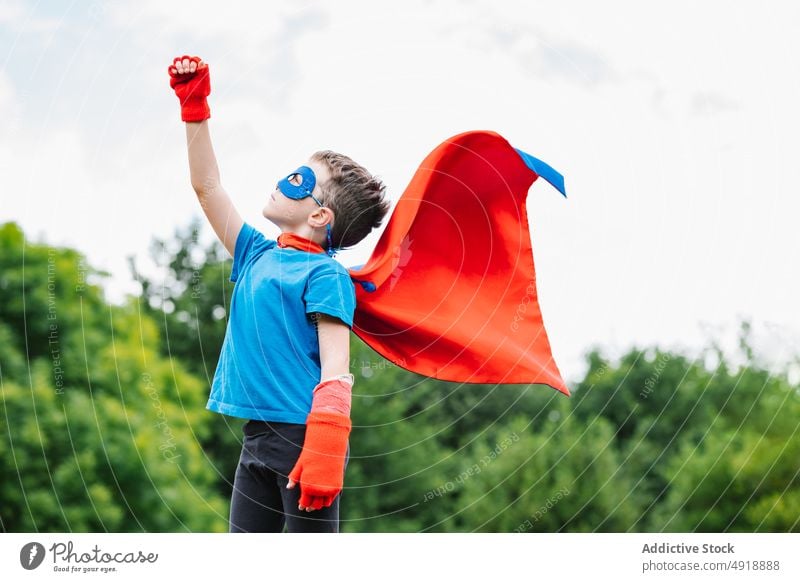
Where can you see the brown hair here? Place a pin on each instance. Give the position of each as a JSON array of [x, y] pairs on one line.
[[355, 196]]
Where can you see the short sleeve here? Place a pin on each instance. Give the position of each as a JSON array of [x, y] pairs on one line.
[[250, 244], [332, 293]]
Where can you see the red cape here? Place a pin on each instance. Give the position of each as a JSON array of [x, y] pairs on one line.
[[450, 289]]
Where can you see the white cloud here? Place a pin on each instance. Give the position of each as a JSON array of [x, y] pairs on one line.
[[21, 18], [11, 11]]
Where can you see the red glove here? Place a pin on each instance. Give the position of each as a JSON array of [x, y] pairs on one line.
[[320, 468], [191, 89]]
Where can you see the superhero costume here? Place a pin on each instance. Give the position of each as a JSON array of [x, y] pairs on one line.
[[450, 290]]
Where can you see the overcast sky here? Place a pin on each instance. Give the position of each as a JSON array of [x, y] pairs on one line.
[[675, 125]]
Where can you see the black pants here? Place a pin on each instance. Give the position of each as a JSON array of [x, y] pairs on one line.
[[260, 501]]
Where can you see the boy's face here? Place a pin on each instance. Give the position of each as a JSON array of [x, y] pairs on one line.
[[288, 213]]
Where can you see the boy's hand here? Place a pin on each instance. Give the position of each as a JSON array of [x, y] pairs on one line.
[[320, 468], [191, 80]]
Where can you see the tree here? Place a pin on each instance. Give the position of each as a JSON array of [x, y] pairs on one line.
[[189, 298], [105, 426], [102, 433]]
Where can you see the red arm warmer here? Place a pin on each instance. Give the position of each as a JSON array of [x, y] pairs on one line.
[[320, 468]]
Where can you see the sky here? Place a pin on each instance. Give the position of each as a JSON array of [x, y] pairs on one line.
[[675, 126]]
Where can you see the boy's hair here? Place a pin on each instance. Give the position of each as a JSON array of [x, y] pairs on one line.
[[355, 196]]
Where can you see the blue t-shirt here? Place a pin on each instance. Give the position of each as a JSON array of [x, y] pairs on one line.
[[269, 363]]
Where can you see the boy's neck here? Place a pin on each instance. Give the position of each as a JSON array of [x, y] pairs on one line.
[[306, 233], [296, 240]]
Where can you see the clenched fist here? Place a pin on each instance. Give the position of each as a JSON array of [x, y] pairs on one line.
[[191, 80]]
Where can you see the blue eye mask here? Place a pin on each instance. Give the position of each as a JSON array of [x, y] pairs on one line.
[[308, 180], [305, 188]]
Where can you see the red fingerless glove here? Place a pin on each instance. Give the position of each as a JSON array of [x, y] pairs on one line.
[[320, 468], [192, 90]]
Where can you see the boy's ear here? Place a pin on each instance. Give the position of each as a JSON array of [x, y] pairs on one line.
[[322, 216]]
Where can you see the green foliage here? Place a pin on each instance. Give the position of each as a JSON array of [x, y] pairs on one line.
[[105, 428], [100, 431], [188, 302]]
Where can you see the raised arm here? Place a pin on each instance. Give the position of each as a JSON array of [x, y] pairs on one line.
[[190, 78], [204, 174]]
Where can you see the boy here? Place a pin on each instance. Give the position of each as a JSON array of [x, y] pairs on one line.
[[284, 364]]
